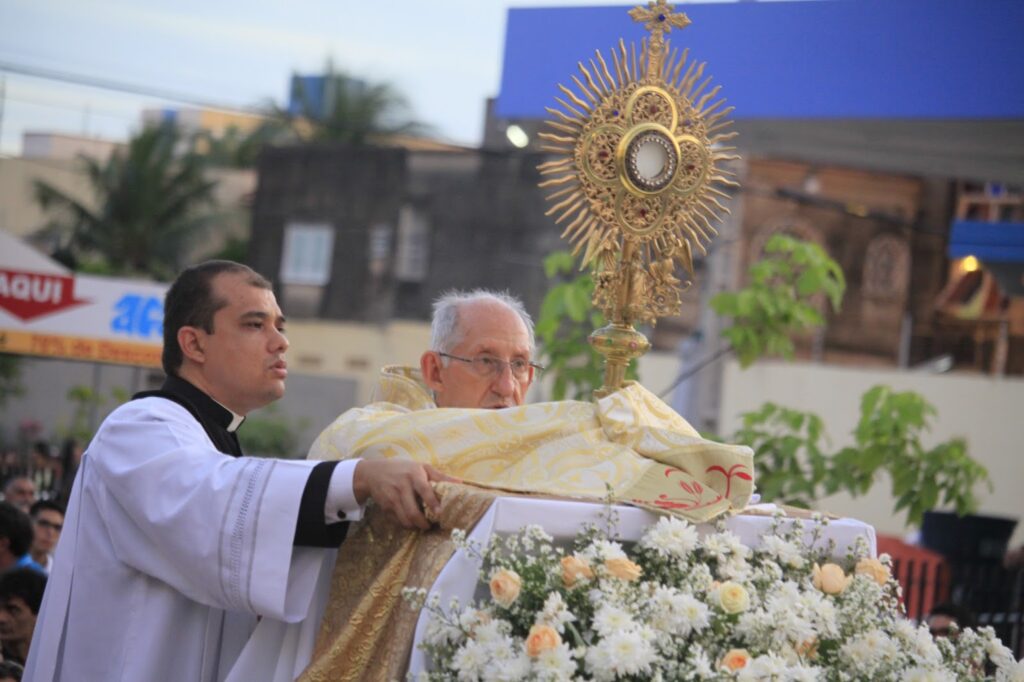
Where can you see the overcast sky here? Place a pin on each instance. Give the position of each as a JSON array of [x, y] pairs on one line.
[[444, 55]]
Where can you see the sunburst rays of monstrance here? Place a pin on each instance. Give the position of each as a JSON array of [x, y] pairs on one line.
[[638, 179]]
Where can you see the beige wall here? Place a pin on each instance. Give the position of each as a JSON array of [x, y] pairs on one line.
[[988, 412], [355, 350], [19, 213]]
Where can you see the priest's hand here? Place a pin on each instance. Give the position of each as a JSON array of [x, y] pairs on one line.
[[400, 487]]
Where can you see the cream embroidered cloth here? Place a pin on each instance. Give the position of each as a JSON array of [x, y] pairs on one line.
[[629, 444]]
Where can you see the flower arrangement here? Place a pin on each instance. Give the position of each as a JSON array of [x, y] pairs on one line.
[[678, 606]]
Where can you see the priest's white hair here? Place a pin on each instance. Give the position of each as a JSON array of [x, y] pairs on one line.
[[445, 333]]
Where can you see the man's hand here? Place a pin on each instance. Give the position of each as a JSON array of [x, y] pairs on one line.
[[399, 487]]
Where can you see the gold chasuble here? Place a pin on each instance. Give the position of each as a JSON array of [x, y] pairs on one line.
[[628, 444]]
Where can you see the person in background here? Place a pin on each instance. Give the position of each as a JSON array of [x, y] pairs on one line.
[[15, 539], [945, 616], [10, 671], [21, 593], [47, 522], [21, 492]]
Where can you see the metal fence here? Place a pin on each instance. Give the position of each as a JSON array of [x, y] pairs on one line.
[[993, 595]]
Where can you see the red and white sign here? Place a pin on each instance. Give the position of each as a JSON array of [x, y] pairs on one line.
[[46, 310], [28, 295]]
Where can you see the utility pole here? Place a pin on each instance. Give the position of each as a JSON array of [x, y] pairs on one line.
[[3, 96]]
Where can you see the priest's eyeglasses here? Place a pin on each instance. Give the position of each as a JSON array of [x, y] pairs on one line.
[[488, 366]]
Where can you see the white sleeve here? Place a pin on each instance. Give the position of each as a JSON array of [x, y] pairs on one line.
[[218, 529], [341, 504]]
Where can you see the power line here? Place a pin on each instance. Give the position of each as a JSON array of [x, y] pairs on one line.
[[130, 88]]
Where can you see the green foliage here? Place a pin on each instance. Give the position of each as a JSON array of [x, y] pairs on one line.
[[236, 149], [566, 320], [10, 377], [888, 438], [271, 434], [787, 444], [235, 249], [778, 303], [792, 467], [150, 204], [86, 403]]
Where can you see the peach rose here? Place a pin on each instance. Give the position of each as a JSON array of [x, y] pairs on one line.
[[874, 569], [575, 569], [808, 648], [830, 578], [623, 569], [733, 597], [541, 639], [505, 586], [734, 659]]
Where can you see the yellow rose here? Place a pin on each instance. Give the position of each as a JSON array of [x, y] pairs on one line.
[[575, 569], [830, 578], [540, 639], [623, 569], [505, 585], [874, 569], [733, 597], [735, 659]]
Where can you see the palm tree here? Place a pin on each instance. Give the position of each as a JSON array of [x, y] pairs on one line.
[[150, 203], [350, 110], [237, 149]]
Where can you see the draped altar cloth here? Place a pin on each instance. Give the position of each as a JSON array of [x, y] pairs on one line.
[[629, 446]]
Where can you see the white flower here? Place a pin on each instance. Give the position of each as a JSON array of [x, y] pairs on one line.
[[786, 552], [555, 664], [724, 545], [928, 675], [610, 619], [603, 550], [767, 667], [555, 613], [505, 667], [469, 661], [1011, 671], [676, 612], [671, 536], [627, 652]]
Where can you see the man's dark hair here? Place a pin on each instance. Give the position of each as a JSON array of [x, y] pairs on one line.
[[27, 583], [190, 303], [39, 506], [11, 670], [16, 526], [958, 612]]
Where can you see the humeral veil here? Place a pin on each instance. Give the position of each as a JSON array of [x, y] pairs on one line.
[[628, 444]]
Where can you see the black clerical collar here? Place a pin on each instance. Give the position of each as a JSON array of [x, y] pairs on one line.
[[210, 408]]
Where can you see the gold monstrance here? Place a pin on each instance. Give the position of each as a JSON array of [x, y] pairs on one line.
[[641, 148]]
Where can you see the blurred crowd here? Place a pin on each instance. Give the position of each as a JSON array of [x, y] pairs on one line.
[[34, 489]]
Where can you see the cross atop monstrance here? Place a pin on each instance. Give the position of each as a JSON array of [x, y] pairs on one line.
[[660, 19], [640, 154]]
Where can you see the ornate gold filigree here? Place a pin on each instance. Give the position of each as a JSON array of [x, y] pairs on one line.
[[639, 145]]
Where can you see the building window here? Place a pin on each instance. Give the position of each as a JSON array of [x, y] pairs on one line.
[[308, 248], [413, 255]]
